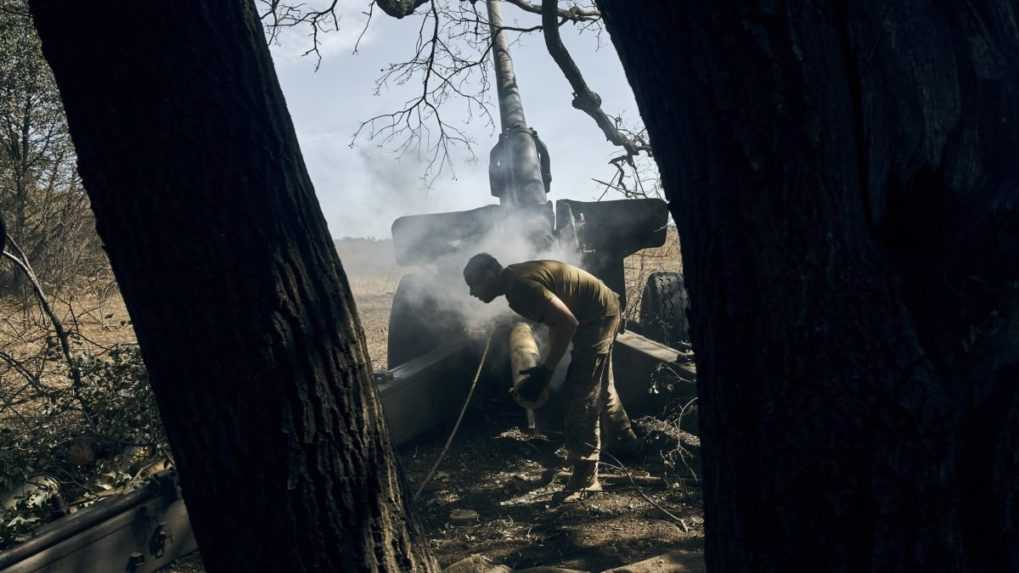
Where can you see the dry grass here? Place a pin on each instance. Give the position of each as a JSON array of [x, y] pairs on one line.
[[99, 324], [373, 296], [31, 365]]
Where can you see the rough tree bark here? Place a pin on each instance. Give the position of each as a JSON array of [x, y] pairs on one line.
[[845, 180], [242, 309], [399, 8]]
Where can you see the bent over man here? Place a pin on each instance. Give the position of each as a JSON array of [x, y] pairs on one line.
[[577, 307]]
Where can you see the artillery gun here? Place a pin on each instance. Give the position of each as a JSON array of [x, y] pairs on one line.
[[429, 331]]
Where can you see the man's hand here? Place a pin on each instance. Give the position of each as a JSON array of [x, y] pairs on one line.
[[532, 391]]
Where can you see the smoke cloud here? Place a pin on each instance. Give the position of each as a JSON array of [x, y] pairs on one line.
[[510, 239], [446, 299]]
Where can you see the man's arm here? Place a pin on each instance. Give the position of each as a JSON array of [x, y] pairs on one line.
[[550, 310], [562, 325]]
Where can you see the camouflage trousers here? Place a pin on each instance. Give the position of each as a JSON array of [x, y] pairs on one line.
[[592, 404]]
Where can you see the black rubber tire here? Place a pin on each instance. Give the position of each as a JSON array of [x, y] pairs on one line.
[[423, 317], [663, 309]]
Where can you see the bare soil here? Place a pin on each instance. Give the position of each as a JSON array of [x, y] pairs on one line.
[[492, 496]]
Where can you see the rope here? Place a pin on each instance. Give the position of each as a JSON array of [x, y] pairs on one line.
[[456, 426]]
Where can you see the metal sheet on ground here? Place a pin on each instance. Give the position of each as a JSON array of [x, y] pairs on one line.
[[141, 539], [420, 395]]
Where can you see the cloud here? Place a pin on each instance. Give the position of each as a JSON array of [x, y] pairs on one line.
[[364, 189]]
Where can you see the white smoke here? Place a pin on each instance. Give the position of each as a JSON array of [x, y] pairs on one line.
[[512, 239]]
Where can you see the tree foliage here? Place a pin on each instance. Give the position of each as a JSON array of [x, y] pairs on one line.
[[41, 197]]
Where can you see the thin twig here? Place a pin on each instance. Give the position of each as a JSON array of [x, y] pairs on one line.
[[280, 15], [683, 452], [62, 335], [367, 22], [573, 13], [584, 98]]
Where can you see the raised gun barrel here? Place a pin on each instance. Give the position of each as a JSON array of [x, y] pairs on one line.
[[515, 168]]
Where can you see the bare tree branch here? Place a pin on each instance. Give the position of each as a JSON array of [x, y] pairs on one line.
[[367, 22], [584, 98], [21, 261], [449, 58], [401, 8], [573, 13], [20, 368], [279, 15], [454, 44]]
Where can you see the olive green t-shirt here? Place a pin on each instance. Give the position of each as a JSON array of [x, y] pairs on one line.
[[532, 283]]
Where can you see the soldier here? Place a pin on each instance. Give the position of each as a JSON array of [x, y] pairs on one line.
[[576, 307]]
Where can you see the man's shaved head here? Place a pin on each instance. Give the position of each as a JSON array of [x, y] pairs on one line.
[[482, 274], [479, 264]]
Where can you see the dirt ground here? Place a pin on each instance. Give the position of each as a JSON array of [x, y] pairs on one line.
[[492, 496]]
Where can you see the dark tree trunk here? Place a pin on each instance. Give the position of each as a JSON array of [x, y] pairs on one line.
[[846, 184], [242, 309]]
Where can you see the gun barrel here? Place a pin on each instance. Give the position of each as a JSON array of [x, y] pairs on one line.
[[515, 168], [511, 108]]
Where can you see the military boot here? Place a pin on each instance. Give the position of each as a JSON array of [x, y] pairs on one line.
[[584, 479], [619, 436]]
